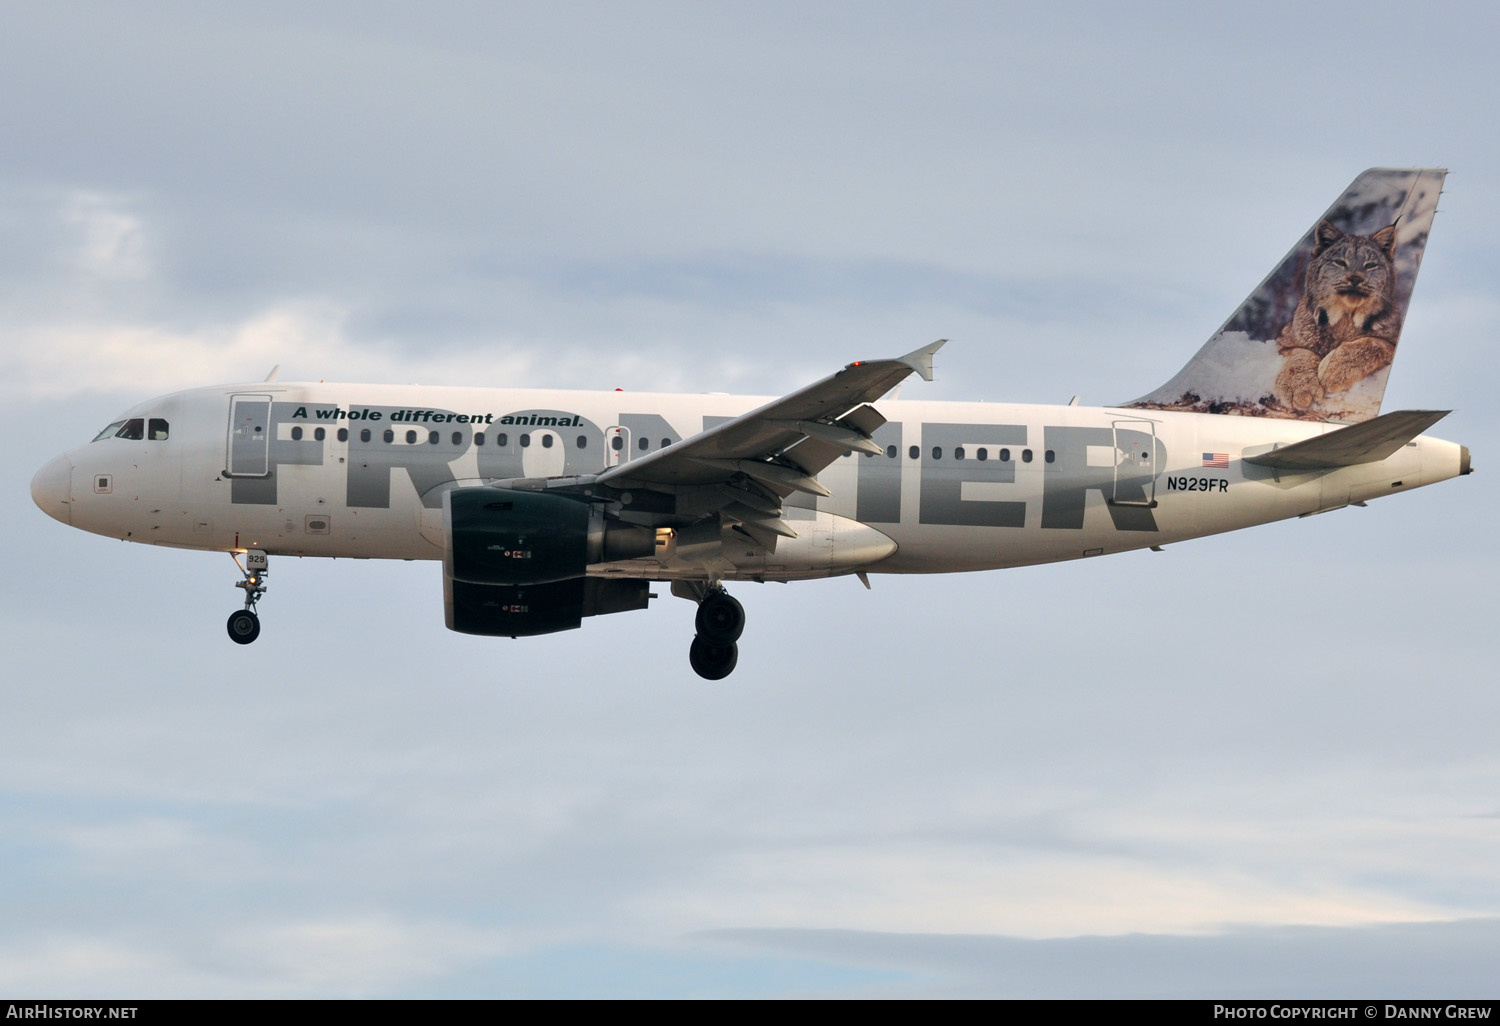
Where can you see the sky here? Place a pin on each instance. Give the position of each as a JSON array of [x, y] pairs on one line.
[[943, 786]]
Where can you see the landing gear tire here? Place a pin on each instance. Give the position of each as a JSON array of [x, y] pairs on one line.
[[720, 620], [243, 626], [713, 662]]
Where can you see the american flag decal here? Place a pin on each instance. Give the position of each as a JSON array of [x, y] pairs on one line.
[[1216, 459]]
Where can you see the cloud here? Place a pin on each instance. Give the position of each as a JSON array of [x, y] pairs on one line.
[[358, 956], [1446, 960], [56, 360], [112, 240], [86, 966]]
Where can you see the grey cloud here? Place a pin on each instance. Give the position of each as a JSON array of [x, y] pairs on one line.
[[1444, 961]]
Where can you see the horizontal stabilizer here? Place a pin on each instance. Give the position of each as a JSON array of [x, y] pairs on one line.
[[1369, 442]]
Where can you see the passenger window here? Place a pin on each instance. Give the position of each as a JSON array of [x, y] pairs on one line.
[[525, 440], [110, 431], [1051, 456], [617, 443], [890, 452], [134, 430], [364, 436], [297, 433], [983, 454], [665, 442], [1025, 455], [583, 442], [958, 453], [319, 434], [411, 438], [458, 438], [389, 436], [1004, 455], [937, 452], [546, 441], [479, 438], [344, 435], [432, 438], [502, 439], [157, 430], [645, 444], [913, 453]]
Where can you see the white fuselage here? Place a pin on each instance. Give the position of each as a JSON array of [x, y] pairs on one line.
[[359, 471]]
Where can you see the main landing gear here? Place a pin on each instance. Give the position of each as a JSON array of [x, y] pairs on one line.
[[244, 625], [720, 622]]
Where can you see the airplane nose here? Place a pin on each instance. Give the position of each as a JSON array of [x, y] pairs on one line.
[[52, 489]]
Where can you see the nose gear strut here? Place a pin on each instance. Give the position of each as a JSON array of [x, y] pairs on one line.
[[244, 624]]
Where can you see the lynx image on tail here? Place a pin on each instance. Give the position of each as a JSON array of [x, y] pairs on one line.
[[1347, 324], [1316, 339]]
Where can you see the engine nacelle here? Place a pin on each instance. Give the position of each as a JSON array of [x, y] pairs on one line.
[[503, 536], [514, 561]]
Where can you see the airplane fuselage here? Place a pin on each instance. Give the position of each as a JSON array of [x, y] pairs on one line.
[[360, 470]]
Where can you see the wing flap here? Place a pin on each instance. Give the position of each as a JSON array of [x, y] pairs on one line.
[[839, 436]]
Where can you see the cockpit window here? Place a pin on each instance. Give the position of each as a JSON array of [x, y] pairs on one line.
[[134, 429], [109, 432], [157, 430]]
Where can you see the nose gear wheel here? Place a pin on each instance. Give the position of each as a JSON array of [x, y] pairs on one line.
[[244, 625]]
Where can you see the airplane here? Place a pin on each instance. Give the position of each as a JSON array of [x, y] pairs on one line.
[[549, 507]]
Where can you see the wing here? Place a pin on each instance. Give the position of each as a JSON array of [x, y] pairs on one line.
[[743, 468]]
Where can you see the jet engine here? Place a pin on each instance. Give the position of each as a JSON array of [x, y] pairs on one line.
[[515, 562]]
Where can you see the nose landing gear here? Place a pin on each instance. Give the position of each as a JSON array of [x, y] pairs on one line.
[[244, 625], [720, 622]]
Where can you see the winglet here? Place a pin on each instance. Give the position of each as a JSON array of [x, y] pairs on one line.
[[920, 360], [274, 371]]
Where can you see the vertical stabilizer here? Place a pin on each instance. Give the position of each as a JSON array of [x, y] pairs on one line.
[[1316, 339]]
